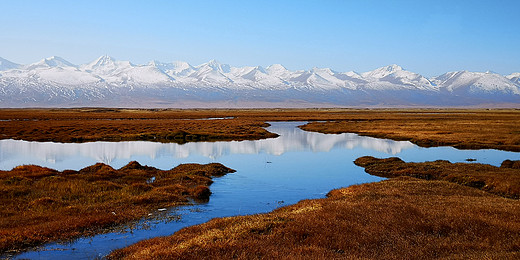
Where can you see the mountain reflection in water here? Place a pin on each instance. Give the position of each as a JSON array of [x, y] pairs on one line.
[[76, 156]]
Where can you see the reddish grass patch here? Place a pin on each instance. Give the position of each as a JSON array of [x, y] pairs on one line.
[[400, 218], [503, 181], [463, 129], [39, 204]]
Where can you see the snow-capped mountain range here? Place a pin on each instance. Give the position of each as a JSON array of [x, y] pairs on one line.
[[55, 82]]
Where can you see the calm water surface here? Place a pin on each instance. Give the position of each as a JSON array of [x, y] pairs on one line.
[[270, 173]]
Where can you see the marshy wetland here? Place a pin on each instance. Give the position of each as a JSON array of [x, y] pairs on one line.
[[278, 164]]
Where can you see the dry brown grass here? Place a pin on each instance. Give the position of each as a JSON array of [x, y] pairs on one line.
[[400, 218], [475, 129], [503, 181], [465, 129], [39, 204], [85, 125]]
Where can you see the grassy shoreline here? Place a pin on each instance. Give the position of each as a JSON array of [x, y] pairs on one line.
[[460, 128], [398, 218], [40, 205], [503, 181]]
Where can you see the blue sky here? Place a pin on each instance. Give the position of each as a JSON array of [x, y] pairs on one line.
[[427, 37]]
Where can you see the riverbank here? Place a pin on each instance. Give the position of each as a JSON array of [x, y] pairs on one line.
[[503, 181], [460, 128], [40, 205], [403, 217]]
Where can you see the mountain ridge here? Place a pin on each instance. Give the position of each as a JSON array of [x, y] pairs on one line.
[[55, 82]]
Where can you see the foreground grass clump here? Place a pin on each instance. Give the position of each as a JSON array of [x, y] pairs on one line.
[[400, 218], [39, 205], [503, 181]]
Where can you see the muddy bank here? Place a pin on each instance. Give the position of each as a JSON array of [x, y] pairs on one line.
[[40, 205]]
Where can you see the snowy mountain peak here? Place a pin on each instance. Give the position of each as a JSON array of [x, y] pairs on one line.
[[51, 62], [322, 70], [106, 64], [217, 66], [181, 65], [352, 74], [102, 61], [276, 67], [383, 71], [163, 66], [7, 65], [393, 67], [260, 69], [477, 82], [176, 68], [277, 70], [514, 77]]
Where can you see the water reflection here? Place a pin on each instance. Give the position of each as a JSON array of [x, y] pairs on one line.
[[76, 156]]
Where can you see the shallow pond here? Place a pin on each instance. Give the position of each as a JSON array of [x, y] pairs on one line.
[[270, 173]]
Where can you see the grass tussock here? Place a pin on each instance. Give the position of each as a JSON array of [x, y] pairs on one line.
[[461, 128], [400, 218], [503, 180], [39, 204]]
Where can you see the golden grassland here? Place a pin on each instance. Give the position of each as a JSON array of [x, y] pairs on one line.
[[464, 129], [40, 205], [503, 180], [469, 129], [399, 218]]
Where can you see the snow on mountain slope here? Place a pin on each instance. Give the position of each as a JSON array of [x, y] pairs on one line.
[[382, 72], [257, 77], [514, 77], [7, 65], [52, 70], [124, 72], [325, 79], [212, 73], [278, 70], [108, 82], [106, 65], [51, 62], [395, 77], [476, 82], [145, 74]]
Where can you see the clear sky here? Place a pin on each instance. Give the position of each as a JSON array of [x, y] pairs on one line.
[[427, 37]]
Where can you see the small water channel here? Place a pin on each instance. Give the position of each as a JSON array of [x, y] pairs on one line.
[[270, 173]]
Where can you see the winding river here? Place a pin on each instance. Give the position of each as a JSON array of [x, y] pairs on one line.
[[270, 173]]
